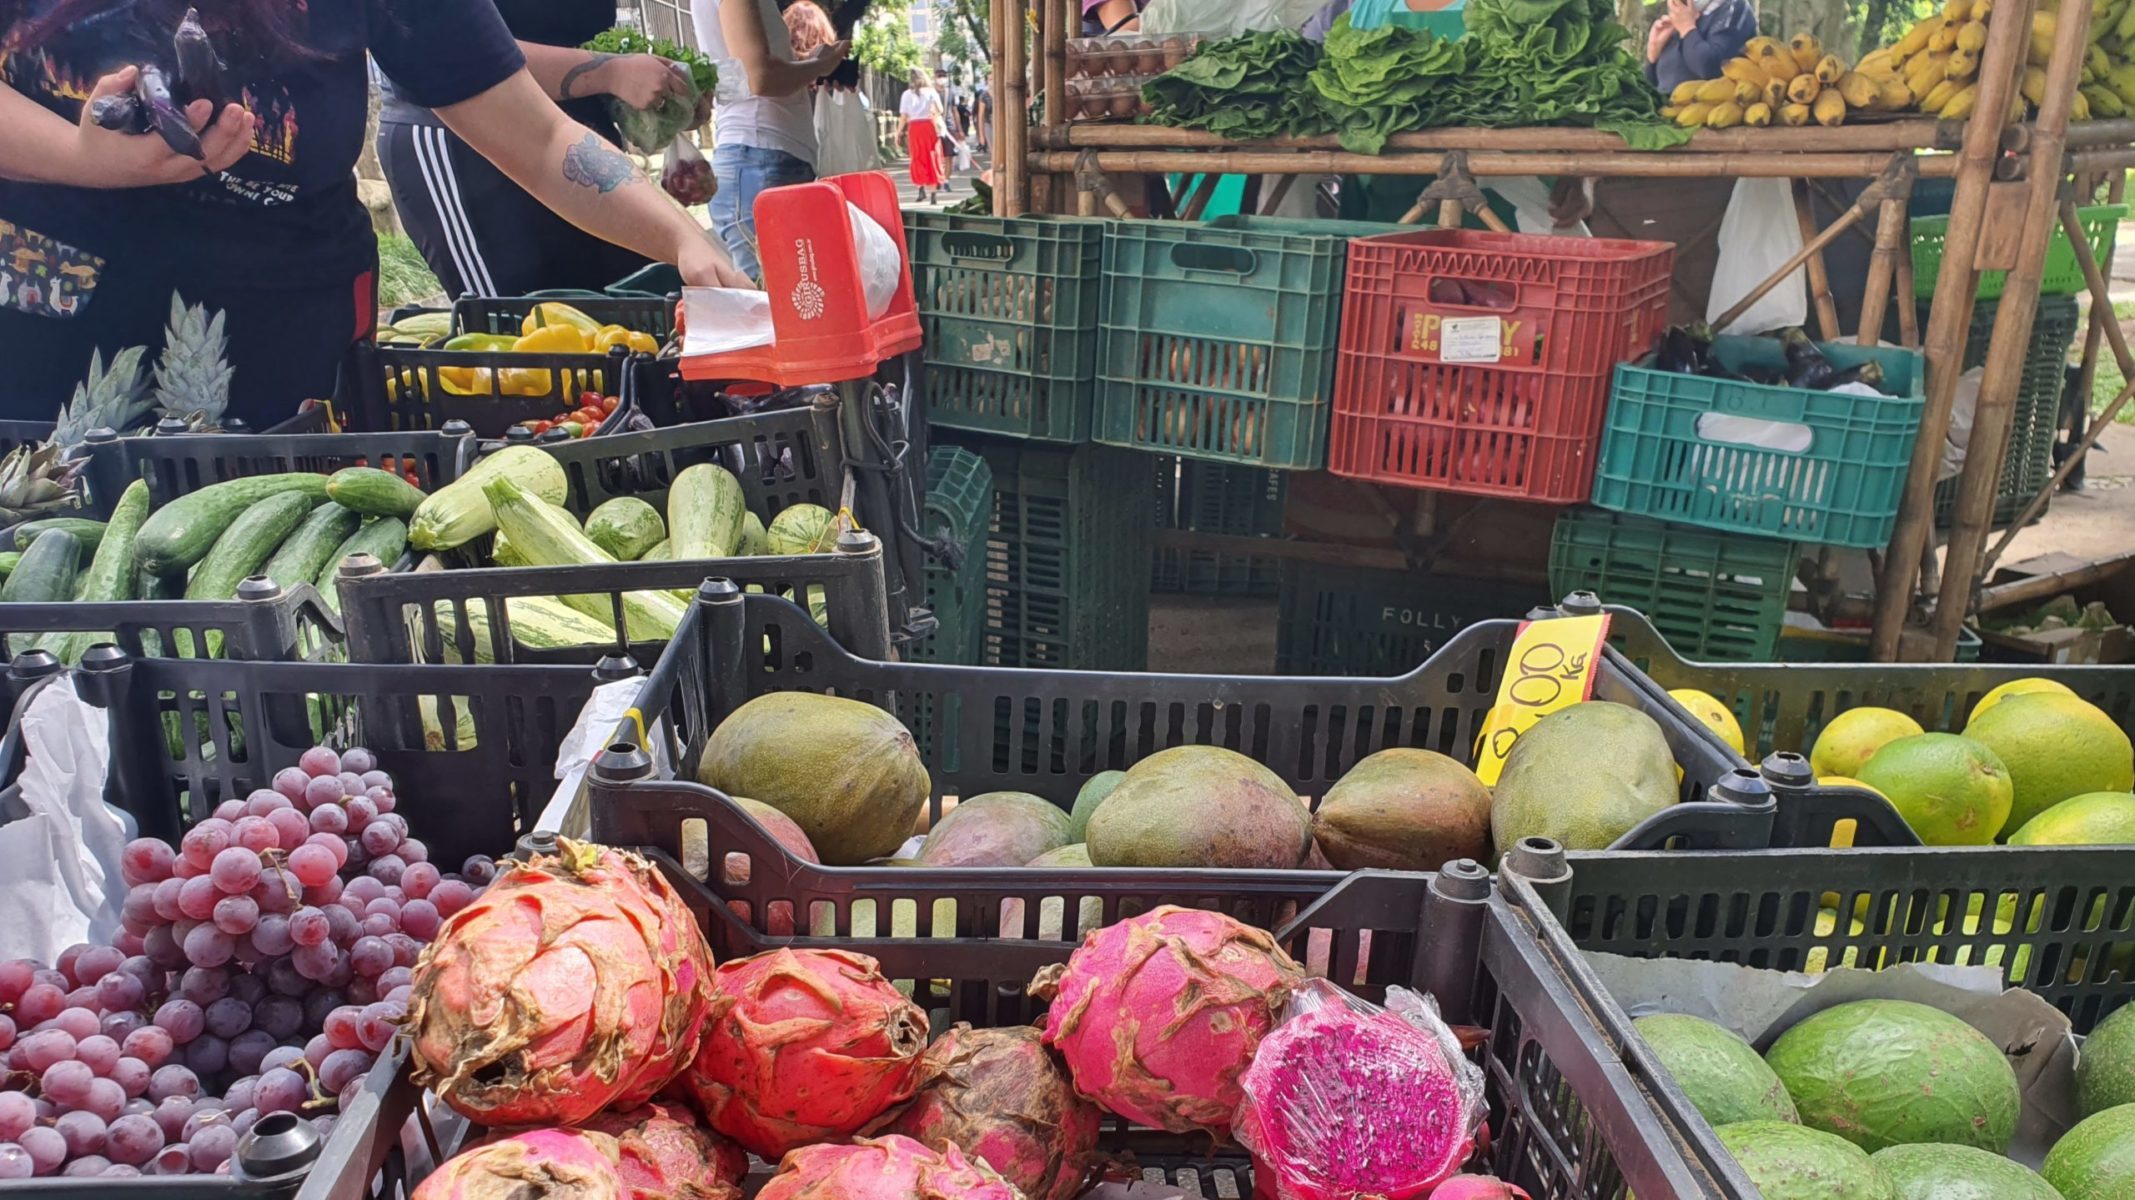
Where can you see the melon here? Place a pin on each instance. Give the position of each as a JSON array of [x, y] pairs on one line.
[[1720, 1073], [1883, 1073], [998, 829], [848, 773], [2105, 1070], [2055, 746], [802, 529], [1404, 810], [1092, 794], [1790, 1162], [1200, 806], [1960, 1173], [2096, 1159]]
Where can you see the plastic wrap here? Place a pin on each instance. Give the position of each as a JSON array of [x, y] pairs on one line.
[[1346, 1099], [687, 174], [880, 264]]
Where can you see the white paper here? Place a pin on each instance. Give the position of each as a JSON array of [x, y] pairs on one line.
[[61, 859], [1755, 431], [719, 320], [1471, 340], [589, 735]]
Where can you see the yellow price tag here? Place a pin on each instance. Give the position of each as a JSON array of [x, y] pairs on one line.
[[1551, 667]]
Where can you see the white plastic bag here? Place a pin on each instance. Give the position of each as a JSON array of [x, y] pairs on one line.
[[61, 859], [1758, 234], [880, 264], [719, 320], [1529, 198], [1958, 438]]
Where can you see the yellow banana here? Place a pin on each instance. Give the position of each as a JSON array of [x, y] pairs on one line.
[[1692, 116], [1916, 38], [1806, 50], [1775, 95], [1717, 91], [1894, 97], [1748, 93], [2034, 85], [1723, 116], [1859, 90], [1972, 36], [1829, 68], [1829, 109], [1804, 89], [1685, 92], [2079, 108], [2103, 102], [1933, 102], [1956, 11], [1743, 70], [1961, 66], [1943, 38], [1757, 116], [1960, 105]]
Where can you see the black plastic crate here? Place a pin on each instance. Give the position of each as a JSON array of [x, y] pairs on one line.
[[1334, 620], [958, 506], [1196, 496], [177, 465], [2035, 422]]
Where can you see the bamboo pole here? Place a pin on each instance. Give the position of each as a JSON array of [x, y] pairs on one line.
[[1819, 274], [1629, 164], [1052, 40], [1908, 306], [2008, 41], [1883, 273], [1973, 517], [1886, 136], [1003, 115], [1011, 197], [1275, 197], [2115, 131]]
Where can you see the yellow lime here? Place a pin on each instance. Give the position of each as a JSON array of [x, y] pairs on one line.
[[1707, 708], [1950, 789], [2055, 746], [2015, 687], [1854, 736]]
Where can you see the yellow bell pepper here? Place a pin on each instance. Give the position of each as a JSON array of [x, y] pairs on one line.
[[553, 339], [467, 381], [631, 339], [520, 381], [549, 312]]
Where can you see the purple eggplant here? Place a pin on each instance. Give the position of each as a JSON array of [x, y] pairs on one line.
[[164, 115], [121, 113], [199, 67]]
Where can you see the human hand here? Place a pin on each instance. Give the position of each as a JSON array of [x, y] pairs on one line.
[[643, 80], [105, 158], [1657, 37], [703, 264], [828, 56], [1682, 16]]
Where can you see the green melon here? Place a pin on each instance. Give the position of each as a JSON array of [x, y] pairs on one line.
[[2096, 1159], [847, 773], [1791, 1162], [1717, 1070], [1960, 1173], [2105, 1071], [1890, 1073], [1093, 793]]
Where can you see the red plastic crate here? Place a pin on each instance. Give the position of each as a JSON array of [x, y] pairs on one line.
[[1478, 362]]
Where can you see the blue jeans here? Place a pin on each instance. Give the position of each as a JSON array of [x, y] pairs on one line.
[[742, 172]]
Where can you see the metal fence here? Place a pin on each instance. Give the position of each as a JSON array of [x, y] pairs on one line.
[[662, 18]]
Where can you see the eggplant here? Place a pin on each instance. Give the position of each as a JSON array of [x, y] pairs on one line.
[[1678, 354], [199, 67], [1870, 373], [121, 114], [164, 115], [1806, 365]]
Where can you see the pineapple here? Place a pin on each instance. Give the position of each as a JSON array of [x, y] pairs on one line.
[[193, 376], [35, 480]]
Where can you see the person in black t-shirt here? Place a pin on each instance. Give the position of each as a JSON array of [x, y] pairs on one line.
[[482, 234], [99, 228]]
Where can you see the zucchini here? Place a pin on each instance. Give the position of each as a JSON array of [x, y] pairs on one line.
[[89, 533], [626, 527], [537, 623], [304, 555], [754, 541], [704, 511], [46, 572], [182, 532], [663, 552], [544, 540], [458, 513], [384, 538], [374, 493], [247, 544], [8, 559], [803, 529], [111, 573]]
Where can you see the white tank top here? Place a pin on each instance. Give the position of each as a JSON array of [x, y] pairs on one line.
[[742, 118]]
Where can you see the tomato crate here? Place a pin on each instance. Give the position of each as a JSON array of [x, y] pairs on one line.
[[2063, 273], [1809, 466], [1218, 338], [958, 506], [1220, 498], [1009, 306], [1520, 435], [2036, 421], [1351, 621], [1712, 597]]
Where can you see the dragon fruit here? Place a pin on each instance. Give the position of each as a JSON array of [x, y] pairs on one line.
[[573, 983], [1000, 1096], [1477, 1187], [564, 1164], [1157, 1016], [665, 1155], [890, 1168], [1346, 1100], [803, 1046]]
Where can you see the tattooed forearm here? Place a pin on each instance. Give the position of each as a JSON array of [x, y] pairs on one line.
[[568, 89], [595, 164]]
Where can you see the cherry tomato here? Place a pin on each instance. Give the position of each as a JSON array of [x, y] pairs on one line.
[[573, 427], [539, 427], [607, 404]]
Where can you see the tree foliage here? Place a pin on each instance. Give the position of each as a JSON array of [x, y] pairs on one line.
[[883, 41]]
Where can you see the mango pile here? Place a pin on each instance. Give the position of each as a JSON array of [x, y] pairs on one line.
[[1789, 83]]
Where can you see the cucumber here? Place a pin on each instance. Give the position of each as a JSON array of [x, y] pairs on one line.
[[46, 572], [89, 533], [159, 587], [182, 532], [374, 493], [626, 527], [544, 540], [754, 541], [247, 544], [704, 511], [8, 559], [111, 574], [382, 537], [457, 513], [304, 555]]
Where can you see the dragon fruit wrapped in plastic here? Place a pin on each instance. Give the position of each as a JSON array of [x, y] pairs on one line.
[[803, 1046], [1477, 1187], [663, 1154], [1346, 1100], [542, 1162], [1157, 1016], [890, 1168], [999, 1095], [573, 983]]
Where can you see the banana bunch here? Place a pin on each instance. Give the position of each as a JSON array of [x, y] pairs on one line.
[[2108, 80], [1788, 83], [1938, 59]]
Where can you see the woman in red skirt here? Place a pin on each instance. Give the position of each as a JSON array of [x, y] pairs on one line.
[[921, 108]]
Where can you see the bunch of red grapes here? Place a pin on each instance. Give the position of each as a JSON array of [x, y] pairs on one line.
[[260, 968]]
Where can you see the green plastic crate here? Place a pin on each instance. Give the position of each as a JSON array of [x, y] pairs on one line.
[[1067, 558], [1219, 338], [1667, 452], [1713, 596], [1206, 497], [2037, 419], [1008, 306], [2063, 275], [1359, 621], [958, 507]]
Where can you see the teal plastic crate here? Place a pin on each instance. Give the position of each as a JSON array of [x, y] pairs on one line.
[[2036, 421], [1713, 596], [958, 507], [1359, 621], [1067, 558], [1219, 338], [1206, 497], [1008, 306], [2063, 274], [1789, 463]]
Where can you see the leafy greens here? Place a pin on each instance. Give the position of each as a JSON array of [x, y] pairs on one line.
[[1249, 86]]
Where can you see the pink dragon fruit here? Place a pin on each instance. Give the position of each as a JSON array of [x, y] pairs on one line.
[[562, 1164], [574, 982], [1345, 1100], [1157, 1016], [1000, 1096], [665, 1155], [1477, 1187], [890, 1168], [803, 1046]]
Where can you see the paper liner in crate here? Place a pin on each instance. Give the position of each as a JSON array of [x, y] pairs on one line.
[[1346, 1099], [837, 289]]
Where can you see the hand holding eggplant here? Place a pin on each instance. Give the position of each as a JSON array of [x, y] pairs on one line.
[[113, 159]]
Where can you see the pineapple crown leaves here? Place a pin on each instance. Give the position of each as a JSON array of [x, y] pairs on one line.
[[193, 376], [113, 398]]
